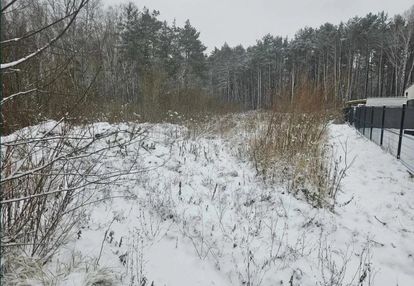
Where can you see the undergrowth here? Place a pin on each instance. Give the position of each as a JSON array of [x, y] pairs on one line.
[[290, 146]]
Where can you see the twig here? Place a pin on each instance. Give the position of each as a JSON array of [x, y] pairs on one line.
[[383, 223], [103, 241]]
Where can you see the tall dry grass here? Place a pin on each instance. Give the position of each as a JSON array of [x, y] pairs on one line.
[[291, 147]]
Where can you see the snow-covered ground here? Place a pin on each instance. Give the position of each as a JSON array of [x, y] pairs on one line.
[[382, 208], [390, 144], [199, 215]]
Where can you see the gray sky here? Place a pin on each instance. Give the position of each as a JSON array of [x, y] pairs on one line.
[[245, 21]]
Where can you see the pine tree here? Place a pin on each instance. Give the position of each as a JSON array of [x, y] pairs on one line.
[[192, 50]]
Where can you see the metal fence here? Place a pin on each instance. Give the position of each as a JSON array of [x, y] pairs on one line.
[[392, 128]]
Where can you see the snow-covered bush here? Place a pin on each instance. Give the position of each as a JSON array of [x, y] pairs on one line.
[[49, 173]]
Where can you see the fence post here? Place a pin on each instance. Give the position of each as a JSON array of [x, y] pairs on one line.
[[382, 125], [372, 122], [356, 123], [365, 119], [401, 132]]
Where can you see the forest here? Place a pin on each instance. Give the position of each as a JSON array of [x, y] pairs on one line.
[[125, 55]]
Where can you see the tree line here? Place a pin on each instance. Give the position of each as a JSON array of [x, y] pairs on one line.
[[128, 55], [371, 56]]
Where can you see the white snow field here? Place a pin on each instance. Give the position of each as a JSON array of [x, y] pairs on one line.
[[199, 215]]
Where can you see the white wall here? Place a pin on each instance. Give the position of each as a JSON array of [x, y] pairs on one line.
[[387, 101], [410, 92]]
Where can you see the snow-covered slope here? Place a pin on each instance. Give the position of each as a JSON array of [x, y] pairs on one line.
[[199, 215]]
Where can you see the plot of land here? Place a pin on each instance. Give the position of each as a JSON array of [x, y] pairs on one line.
[[199, 215]]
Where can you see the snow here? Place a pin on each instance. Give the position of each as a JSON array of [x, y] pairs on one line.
[[199, 215], [390, 144], [179, 266], [383, 190]]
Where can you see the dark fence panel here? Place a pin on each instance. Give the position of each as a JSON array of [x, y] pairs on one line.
[[378, 117], [390, 127], [409, 118], [361, 116], [392, 118]]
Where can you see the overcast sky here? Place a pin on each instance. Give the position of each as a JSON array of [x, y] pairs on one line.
[[245, 21]]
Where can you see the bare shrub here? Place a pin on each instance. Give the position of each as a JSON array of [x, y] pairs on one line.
[[337, 270], [48, 173]]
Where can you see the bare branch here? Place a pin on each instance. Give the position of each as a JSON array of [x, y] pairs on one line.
[[16, 95], [40, 50], [7, 6], [32, 33]]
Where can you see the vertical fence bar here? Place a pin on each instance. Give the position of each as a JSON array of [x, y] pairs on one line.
[[356, 118], [401, 132], [382, 125], [372, 122], [365, 119]]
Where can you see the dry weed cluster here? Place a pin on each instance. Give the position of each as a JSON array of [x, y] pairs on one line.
[[291, 147]]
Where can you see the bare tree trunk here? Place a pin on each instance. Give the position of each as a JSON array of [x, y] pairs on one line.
[[293, 83], [380, 74]]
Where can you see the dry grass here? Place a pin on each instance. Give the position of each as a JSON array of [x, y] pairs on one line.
[[291, 147]]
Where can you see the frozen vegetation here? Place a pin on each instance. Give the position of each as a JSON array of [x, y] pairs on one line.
[[131, 156], [189, 208]]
